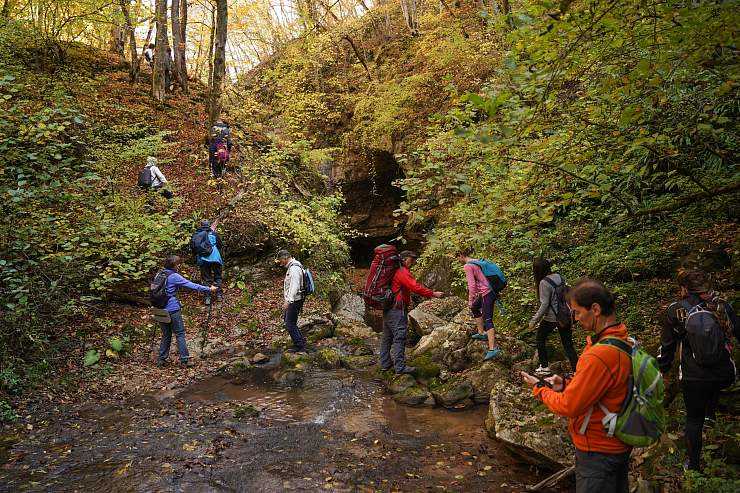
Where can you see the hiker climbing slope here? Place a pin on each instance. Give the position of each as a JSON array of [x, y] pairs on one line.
[[207, 247], [219, 148], [164, 289], [151, 178], [702, 324]]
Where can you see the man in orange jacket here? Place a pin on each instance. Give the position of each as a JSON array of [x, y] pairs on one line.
[[395, 319], [600, 380]]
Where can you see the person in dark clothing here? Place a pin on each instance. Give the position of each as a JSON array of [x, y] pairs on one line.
[[545, 282], [700, 383], [217, 166], [211, 266]]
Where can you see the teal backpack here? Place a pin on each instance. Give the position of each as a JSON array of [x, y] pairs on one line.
[[642, 419]]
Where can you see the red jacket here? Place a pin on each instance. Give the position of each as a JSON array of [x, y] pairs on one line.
[[601, 375], [404, 284]]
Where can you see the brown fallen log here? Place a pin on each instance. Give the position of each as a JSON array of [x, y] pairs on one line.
[[551, 481]]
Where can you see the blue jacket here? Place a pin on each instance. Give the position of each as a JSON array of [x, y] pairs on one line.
[[174, 282], [215, 255]]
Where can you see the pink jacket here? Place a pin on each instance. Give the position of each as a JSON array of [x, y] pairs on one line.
[[477, 282]]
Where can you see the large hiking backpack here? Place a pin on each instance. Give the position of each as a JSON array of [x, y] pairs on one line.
[[308, 287], [200, 244], [378, 293], [145, 178], [494, 274], [222, 152], [705, 333], [158, 289], [563, 314], [641, 419]]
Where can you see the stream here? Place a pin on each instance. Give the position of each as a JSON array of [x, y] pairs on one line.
[[338, 432]]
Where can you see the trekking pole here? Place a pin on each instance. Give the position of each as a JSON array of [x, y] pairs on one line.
[[204, 332]]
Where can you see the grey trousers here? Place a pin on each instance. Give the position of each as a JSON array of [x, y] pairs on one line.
[[393, 340], [602, 473]]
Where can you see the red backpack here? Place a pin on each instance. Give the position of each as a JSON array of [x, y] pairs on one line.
[[222, 152], [378, 293]]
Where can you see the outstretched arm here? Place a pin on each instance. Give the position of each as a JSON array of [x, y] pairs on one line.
[[180, 282]]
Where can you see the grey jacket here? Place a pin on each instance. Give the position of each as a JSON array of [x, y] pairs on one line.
[[548, 302]]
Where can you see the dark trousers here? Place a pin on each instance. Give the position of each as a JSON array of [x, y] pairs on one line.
[[700, 399], [393, 340], [602, 473], [176, 325], [566, 337], [216, 168], [483, 307], [291, 323], [211, 273]]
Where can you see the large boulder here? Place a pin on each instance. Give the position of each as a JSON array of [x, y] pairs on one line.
[[328, 358], [399, 383], [422, 323], [351, 308], [484, 378], [441, 341], [414, 396], [520, 422], [353, 330], [445, 308], [454, 393]]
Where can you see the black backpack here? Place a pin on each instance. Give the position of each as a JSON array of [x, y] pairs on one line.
[[705, 333], [200, 245], [158, 289], [145, 178], [563, 314]]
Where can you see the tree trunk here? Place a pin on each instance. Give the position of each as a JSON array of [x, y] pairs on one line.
[[175, 20], [183, 68], [133, 72], [211, 42], [219, 62], [408, 9], [7, 7], [160, 51], [118, 43]]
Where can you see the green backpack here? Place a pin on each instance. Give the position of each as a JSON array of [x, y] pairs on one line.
[[641, 419]]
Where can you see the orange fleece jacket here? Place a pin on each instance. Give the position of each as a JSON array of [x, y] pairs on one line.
[[601, 375]]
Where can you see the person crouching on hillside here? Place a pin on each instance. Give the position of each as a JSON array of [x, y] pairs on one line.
[[702, 324], [395, 319], [174, 282], [601, 379]]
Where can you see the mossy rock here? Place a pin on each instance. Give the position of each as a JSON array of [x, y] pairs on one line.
[[241, 367], [452, 393], [399, 383], [292, 360], [328, 359], [358, 362], [414, 396], [425, 367], [324, 331], [246, 411]]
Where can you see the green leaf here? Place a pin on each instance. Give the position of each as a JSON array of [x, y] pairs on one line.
[[116, 344], [92, 356]]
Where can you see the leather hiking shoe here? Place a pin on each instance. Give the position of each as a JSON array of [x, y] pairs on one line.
[[407, 370]]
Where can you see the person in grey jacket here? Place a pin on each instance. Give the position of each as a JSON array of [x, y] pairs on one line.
[[545, 283], [293, 295], [158, 179]]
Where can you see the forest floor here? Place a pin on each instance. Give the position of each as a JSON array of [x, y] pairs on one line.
[[125, 424]]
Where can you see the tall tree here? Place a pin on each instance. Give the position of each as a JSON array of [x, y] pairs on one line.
[[183, 69], [160, 50], [133, 72], [176, 41], [219, 62]]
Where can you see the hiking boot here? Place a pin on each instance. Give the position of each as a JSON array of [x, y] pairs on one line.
[[492, 353], [187, 362], [543, 370], [479, 337], [207, 300], [407, 370], [296, 350], [386, 368]]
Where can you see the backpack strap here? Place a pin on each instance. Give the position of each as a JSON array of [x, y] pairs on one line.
[[623, 346], [554, 287]]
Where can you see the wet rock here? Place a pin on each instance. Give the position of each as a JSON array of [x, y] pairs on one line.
[[413, 396], [425, 367], [295, 359], [328, 359], [260, 358], [351, 307], [516, 419], [358, 362], [422, 323], [453, 392], [399, 383], [484, 378], [353, 330], [292, 377]]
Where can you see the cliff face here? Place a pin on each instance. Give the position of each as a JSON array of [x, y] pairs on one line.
[[365, 123]]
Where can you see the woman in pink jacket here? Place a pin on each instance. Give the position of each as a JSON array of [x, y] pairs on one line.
[[480, 300]]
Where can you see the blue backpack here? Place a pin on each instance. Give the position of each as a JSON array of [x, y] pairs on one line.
[[308, 287], [494, 274]]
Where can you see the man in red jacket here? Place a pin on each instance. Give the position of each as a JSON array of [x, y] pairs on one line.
[[395, 319]]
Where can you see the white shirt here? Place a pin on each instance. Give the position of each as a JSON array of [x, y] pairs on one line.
[[158, 178], [293, 281]]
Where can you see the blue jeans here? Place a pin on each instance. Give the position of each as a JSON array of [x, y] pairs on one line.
[[291, 323], [178, 326], [393, 341]]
